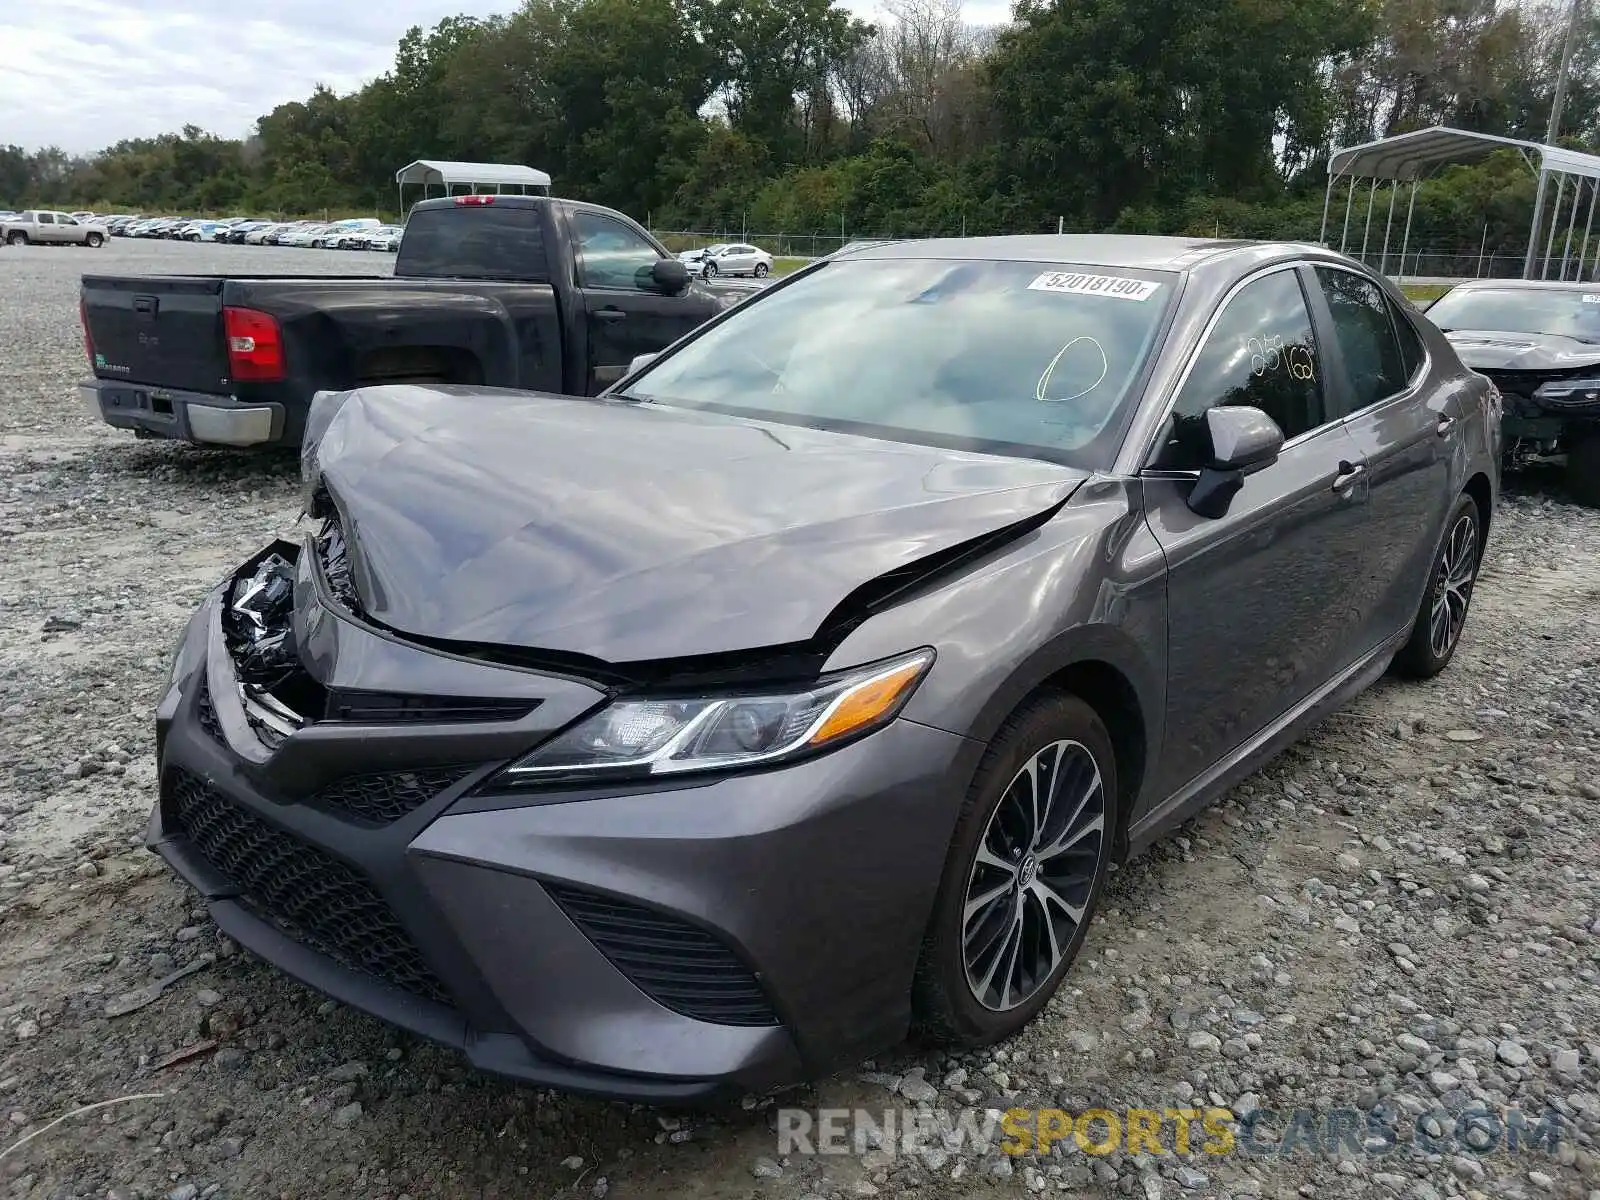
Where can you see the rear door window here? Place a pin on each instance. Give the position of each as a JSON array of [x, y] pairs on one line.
[[1363, 326]]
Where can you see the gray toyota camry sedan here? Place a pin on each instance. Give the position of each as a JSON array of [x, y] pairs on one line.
[[799, 692]]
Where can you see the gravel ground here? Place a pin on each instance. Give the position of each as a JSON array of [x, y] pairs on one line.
[[1403, 911]]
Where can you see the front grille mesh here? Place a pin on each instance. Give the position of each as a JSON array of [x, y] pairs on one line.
[[207, 713], [313, 897], [678, 965], [384, 798]]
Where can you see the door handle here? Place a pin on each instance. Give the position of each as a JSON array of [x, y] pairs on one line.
[[1348, 474], [611, 314], [1445, 425]]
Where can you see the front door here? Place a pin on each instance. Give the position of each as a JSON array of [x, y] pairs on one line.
[[626, 314], [1262, 607]]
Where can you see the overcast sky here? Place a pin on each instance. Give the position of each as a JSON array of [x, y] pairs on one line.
[[83, 74]]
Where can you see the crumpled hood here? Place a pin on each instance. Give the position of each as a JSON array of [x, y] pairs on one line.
[[1485, 350], [628, 532]]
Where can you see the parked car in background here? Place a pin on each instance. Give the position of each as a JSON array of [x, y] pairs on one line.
[[259, 235], [201, 231], [733, 258], [807, 686], [505, 291], [44, 228], [384, 237], [1540, 343]]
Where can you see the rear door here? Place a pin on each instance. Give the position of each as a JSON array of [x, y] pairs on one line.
[[1402, 427], [44, 228], [161, 331], [626, 315]]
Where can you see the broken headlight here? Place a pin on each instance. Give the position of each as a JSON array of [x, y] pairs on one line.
[[258, 622], [651, 737]]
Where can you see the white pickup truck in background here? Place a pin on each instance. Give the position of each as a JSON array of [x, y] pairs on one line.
[[44, 228]]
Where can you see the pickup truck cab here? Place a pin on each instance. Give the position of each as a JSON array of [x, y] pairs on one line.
[[40, 227], [530, 292]]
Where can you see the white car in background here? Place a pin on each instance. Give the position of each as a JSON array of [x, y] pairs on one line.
[[384, 237], [728, 258], [310, 235]]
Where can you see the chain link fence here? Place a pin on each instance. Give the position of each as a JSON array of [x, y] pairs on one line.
[[1579, 264]]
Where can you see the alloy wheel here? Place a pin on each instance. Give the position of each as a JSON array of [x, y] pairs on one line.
[[1033, 875], [1452, 588]]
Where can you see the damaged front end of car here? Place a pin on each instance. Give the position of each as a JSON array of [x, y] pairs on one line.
[[258, 631]]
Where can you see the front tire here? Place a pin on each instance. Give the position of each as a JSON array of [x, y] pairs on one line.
[[711, 270], [1583, 469], [1443, 613], [94, 241], [17, 239], [1025, 869]]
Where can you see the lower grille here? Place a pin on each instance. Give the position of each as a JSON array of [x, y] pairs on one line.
[[383, 799], [678, 965], [207, 713], [312, 896]]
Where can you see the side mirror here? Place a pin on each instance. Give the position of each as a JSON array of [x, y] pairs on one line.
[[670, 276], [641, 360], [1244, 440]]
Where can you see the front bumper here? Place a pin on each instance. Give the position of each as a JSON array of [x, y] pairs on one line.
[[183, 416], [665, 944]]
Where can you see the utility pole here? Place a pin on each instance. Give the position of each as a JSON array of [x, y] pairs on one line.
[[1553, 130], [1560, 100]]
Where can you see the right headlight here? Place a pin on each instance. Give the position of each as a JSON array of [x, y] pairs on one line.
[[640, 738]]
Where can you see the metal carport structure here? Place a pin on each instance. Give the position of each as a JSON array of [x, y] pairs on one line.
[[475, 177], [1416, 155]]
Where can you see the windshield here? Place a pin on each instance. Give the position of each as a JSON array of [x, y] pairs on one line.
[[1572, 314], [1035, 359]]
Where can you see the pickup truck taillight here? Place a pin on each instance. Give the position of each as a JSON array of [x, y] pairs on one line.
[[255, 345], [88, 338]]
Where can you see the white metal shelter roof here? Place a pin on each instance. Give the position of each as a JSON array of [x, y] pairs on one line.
[[436, 173], [1411, 157]]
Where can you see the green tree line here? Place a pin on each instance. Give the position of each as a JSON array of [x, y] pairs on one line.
[[1179, 116]]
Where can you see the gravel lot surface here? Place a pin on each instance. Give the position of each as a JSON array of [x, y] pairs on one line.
[[1405, 909]]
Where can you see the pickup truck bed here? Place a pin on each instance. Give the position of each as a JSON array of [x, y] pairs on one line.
[[553, 296]]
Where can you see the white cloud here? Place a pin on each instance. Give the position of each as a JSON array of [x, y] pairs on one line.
[[85, 74]]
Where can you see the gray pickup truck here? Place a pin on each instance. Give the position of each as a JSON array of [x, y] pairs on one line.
[[40, 227]]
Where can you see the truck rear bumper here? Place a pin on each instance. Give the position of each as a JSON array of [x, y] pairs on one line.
[[182, 416]]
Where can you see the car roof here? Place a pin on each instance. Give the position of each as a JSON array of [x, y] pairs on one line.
[[1085, 249], [1526, 285]]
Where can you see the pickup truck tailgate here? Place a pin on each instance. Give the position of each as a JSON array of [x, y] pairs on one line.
[[161, 330]]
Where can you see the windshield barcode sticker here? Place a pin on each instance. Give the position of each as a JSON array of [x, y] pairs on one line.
[[1591, 298], [1074, 283]]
